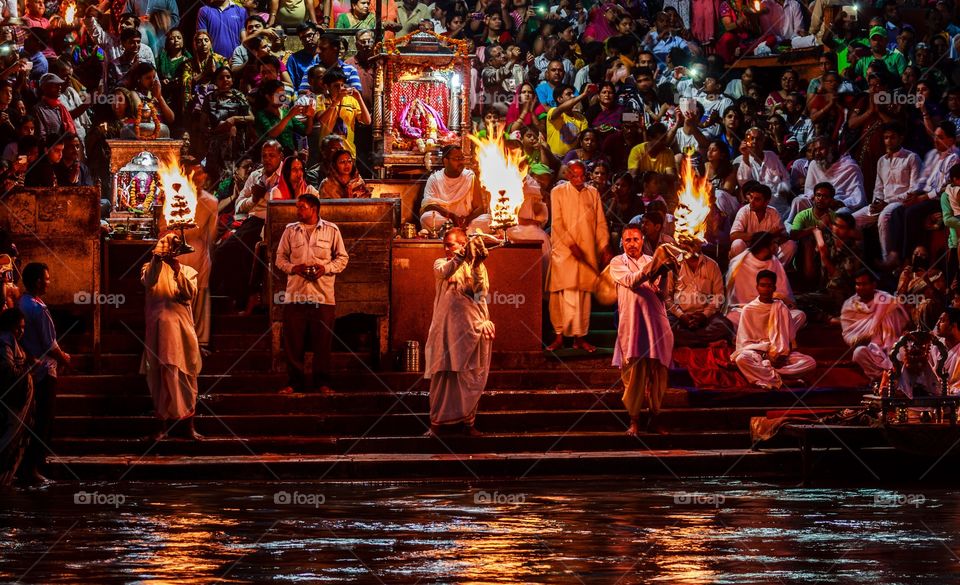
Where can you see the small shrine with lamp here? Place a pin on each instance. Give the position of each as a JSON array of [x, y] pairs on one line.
[[420, 102], [136, 195]]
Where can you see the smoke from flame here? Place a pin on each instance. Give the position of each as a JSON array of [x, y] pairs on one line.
[[501, 169], [694, 207]]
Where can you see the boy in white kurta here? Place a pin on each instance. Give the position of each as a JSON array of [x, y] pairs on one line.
[[644, 338], [459, 344], [763, 351], [171, 361], [872, 322], [742, 278]]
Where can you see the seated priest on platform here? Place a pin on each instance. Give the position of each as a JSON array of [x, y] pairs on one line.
[[758, 216], [453, 194], [742, 274], [694, 299], [764, 339], [872, 322]]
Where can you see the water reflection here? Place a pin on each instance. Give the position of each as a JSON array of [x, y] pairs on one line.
[[597, 532]]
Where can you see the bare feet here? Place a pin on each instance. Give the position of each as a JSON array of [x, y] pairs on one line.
[[634, 428], [581, 343], [432, 432], [470, 431], [557, 344], [204, 352]]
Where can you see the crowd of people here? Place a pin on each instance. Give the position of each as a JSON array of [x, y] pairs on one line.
[[825, 189]]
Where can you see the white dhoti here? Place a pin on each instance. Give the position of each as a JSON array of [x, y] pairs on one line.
[[872, 359], [454, 396], [757, 368], [797, 320], [570, 312], [174, 392]]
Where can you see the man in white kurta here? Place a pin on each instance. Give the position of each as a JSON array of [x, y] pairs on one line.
[[763, 166], [742, 277], [453, 194], [872, 321], [202, 238], [171, 361], [579, 241], [460, 340], [948, 328], [763, 352], [644, 338]]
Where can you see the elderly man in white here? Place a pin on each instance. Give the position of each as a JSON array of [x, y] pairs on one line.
[[311, 253], [872, 321], [840, 171], [453, 194]]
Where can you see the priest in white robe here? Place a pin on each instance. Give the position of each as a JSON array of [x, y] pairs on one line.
[[644, 339], [764, 347], [742, 277], [453, 194], [579, 240], [202, 239], [872, 321], [171, 361], [460, 340]]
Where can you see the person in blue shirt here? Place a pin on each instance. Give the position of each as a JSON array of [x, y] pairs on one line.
[[40, 343]]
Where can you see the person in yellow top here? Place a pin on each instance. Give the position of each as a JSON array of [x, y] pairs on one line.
[[654, 154], [345, 109], [563, 123]]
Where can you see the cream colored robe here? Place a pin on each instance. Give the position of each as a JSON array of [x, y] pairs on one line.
[[742, 287], [457, 354], [171, 361], [873, 328], [577, 219], [202, 239], [765, 334]]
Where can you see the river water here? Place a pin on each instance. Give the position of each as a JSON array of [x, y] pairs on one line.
[[583, 531]]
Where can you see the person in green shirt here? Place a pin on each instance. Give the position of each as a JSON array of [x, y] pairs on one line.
[[821, 217], [894, 61]]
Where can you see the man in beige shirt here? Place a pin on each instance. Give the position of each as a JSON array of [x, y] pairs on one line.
[[695, 297]]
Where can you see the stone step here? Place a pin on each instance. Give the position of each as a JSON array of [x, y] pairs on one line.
[[488, 443], [101, 404], [406, 423], [661, 463]]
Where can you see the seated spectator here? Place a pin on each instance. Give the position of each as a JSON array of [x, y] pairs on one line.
[[291, 184], [565, 122], [765, 338], [272, 120], [841, 171], [764, 166], [694, 299], [526, 110], [343, 111], [70, 171], [872, 322], [343, 181], [802, 229], [840, 259], [742, 274], [654, 154], [758, 217]]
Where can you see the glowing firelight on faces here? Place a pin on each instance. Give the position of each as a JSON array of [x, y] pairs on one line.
[[180, 210], [694, 207], [501, 169]]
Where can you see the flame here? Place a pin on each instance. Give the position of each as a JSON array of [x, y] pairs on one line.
[[179, 195], [694, 207], [70, 14], [501, 171]]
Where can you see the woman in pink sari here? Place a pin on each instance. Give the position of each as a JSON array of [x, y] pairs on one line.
[[601, 23], [526, 110]]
